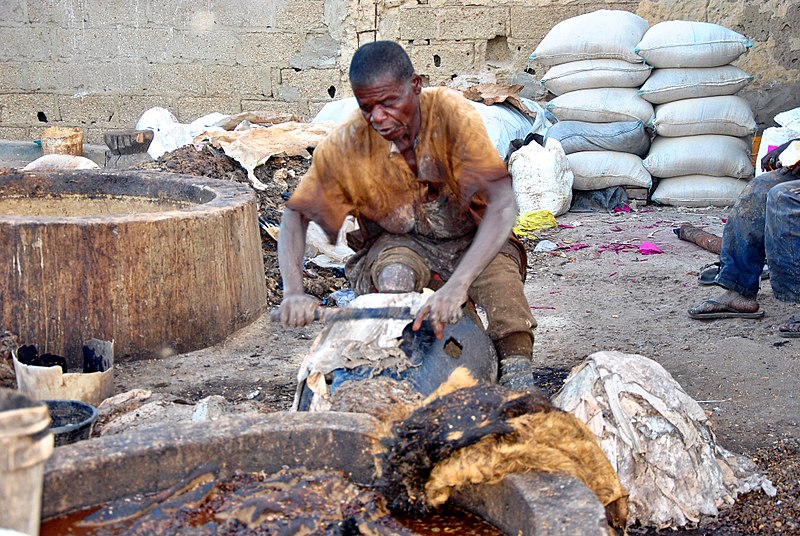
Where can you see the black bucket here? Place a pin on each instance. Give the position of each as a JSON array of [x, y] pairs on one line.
[[71, 420]]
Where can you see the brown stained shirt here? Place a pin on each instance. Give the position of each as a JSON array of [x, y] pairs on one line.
[[355, 171]]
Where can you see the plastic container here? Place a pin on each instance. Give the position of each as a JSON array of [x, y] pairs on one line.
[[62, 140], [72, 420], [25, 444]]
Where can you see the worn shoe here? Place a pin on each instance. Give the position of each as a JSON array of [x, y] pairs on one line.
[[708, 274], [516, 373]]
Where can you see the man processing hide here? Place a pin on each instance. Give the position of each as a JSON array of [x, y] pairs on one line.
[[433, 200]]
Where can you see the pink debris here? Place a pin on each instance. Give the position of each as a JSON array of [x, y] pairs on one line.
[[648, 248], [576, 247]]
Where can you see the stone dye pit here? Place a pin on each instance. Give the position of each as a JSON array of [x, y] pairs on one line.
[[158, 263], [294, 446]]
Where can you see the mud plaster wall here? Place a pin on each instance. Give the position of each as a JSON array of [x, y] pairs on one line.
[[99, 64]]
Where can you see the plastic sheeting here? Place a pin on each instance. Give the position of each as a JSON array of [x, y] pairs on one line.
[[658, 439]]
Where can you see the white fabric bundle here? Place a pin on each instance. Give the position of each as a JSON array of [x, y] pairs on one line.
[[600, 34], [595, 170], [589, 74], [681, 43], [667, 85], [601, 105], [707, 154]]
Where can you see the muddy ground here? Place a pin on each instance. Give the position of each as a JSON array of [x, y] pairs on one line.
[[605, 296]]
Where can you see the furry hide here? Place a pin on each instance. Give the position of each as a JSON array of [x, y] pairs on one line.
[[468, 433]]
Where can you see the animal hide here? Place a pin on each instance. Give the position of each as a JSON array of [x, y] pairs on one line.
[[658, 439], [470, 433]]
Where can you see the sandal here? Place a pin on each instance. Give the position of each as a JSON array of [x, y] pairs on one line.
[[720, 310], [791, 328]]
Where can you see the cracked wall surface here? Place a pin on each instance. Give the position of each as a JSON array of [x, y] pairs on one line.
[[98, 64]]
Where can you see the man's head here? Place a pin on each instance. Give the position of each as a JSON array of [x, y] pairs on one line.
[[387, 89]]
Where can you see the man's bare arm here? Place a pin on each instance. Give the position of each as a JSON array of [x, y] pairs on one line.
[[498, 220], [297, 308]]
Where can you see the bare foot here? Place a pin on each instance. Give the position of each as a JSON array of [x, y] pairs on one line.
[[726, 302], [728, 305]]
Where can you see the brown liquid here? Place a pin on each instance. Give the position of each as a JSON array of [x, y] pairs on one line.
[[83, 206]]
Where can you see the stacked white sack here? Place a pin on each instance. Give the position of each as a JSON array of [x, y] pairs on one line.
[[702, 149], [594, 73]]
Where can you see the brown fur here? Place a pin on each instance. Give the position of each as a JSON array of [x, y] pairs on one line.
[[547, 440]]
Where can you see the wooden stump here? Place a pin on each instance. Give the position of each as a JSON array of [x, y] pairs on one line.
[[175, 266]]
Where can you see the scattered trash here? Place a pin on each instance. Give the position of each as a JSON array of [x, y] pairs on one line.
[[210, 408], [343, 296], [648, 248], [169, 134], [533, 221], [545, 246], [45, 376], [51, 162]]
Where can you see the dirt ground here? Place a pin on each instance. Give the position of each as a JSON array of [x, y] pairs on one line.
[[586, 300], [595, 292]]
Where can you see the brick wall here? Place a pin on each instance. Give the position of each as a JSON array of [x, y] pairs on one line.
[[99, 64]]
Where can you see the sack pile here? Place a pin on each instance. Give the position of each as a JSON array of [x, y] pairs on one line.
[[701, 152], [595, 74]]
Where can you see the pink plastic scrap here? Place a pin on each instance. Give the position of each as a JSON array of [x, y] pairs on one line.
[[648, 248]]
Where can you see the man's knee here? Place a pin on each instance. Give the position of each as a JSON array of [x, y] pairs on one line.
[[396, 277]]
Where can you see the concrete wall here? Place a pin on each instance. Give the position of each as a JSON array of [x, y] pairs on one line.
[[99, 64]]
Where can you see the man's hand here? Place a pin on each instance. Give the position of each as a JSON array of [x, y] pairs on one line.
[[771, 160], [298, 310], [444, 307]]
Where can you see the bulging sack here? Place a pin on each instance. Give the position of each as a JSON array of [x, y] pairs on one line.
[[600, 34], [589, 74], [728, 115], [682, 43], [707, 154], [542, 178], [621, 136], [668, 85], [602, 105], [698, 191], [595, 170]]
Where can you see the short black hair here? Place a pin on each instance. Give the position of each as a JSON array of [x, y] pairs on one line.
[[375, 60]]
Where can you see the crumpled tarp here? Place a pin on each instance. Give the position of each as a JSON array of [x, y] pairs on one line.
[[352, 343], [253, 146], [658, 439]]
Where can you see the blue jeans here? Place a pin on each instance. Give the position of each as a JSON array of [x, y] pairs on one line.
[[764, 225]]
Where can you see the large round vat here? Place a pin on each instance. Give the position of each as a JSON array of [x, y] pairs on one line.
[[159, 263]]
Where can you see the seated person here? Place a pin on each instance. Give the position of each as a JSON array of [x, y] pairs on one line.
[[764, 225], [434, 203]]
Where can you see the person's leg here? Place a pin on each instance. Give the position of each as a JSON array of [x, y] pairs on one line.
[[499, 290], [743, 253], [400, 269], [782, 237]]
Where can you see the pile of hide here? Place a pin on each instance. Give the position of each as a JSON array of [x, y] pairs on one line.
[[658, 440], [469, 433]]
